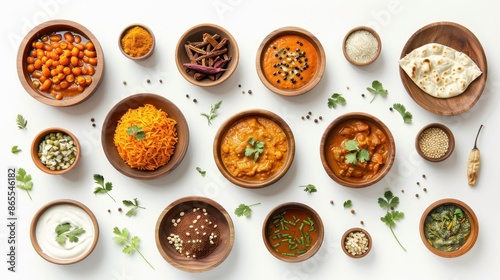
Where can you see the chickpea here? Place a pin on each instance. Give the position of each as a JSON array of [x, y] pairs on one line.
[[46, 72], [90, 70], [69, 37], [38, 64], [78, 39], [66, 70], [64, 84], [48, 47], [75, 51], [80, 80], [46, 85], [64, 60], [74, 61], [80, 47], [55, 37], [88, 81], [30, 68], [39, 45], [89, 53], [70, 78], [93, 61], [76, 71], [89, 46], [59, 96], [63, 45]]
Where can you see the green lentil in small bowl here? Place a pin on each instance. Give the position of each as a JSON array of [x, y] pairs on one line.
[[55, 150], [435, 142]]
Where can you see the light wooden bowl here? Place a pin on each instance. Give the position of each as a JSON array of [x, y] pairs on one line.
[[133, 57], [451, 142], [253, 183], [266, 44], [38, 245], [133, 102], [48, 28], [269, 226], [195, 34], [35, 147], [330, 165], [346, 235], [474, 228], [171, 255], [355, 61]]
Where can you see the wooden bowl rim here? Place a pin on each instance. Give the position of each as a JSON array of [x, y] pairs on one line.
[[291, 30], [194, 265], [133, 102], [341, 119], [146, 55], [44, 208], [356, 229], [258, 113], [34, 150], [202, 28], [302, 207], [374, 33], [471, 240], [451, 141], [46, 28]]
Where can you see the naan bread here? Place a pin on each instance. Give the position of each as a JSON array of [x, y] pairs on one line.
[[439, 70]]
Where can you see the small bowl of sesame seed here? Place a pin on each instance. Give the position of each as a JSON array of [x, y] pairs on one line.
[[194, 234], [435, 142], [362, 46], [356, 243]]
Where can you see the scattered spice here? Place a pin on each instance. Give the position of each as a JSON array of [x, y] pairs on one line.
[[148, 81], [161, 81], [363, 95], [302, 117], [352, 211], [361, 46], [433, 142], [124, 82], [425, 190], [423, 176], [119, 209], [137, 41], [109, 210], [187, 95], [418, 183], [320, 117], [194, 100], [94, 125], [331, 202], [316, 120], [403, 191], [249, 91], [361, 222], [416, 195]]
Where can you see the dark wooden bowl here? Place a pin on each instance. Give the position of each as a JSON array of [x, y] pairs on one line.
[[48, 28], [169, 253], [133, 102], [195, 34], [361, 28], [474, 229], [457, 37], [344, 239], [297, 31], [124, 32], [451, 142], [333, 129], [40, 248], [221, 133]]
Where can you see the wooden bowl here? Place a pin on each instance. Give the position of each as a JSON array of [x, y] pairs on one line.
[[428, 140], [459, 249], [293, 218], [196, 34], [367, 56], [333, 166], [133, 102], [132, 55], [357, 241], [268, 61], [35, 149], [279, 159], [217, 252], [43, 235], [460, 38], [49, 28]]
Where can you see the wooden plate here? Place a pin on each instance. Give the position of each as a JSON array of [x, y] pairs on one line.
[[460, 38]]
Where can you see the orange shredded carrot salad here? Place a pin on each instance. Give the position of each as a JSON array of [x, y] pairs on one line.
[[160, 139]]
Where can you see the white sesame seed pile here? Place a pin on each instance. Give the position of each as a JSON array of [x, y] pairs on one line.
[[356, 243], [433, 142]]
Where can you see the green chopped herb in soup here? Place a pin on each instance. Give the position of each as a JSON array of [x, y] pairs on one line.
[[447, 228]]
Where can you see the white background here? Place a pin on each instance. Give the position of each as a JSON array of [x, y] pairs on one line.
[[249, 22]]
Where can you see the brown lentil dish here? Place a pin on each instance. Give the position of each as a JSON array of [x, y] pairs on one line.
[[290, 62], [433, 142]]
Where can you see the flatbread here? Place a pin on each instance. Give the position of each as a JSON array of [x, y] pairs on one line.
[[439, 70]]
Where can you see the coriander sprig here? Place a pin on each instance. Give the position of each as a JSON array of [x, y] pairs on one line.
[[213, 112], [135, 206], [335, 99], [377, 89], [407, 116], [347, 203], [244, 210], [137, 132], [256, 148], [309, 188], [389, 202], [201, 171], [122, 237], [355, 153], [104, 188], [64, 232], [24, 181], [21, 122], [15, 149]]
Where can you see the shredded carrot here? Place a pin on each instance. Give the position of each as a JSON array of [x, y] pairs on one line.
[[160, 139]]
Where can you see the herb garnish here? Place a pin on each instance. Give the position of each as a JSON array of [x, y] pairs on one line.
[[201, 171], [389, 202], [24, 181], [407, 116], [21, 122], [244, 210], [135, 206], [335, 99], [64, 232], [355, 153], [121, 237], [257, 147], [377, 89], [104, 188], [210, 116], [347, 203], [15, 149], [137, 132], [310, 188]]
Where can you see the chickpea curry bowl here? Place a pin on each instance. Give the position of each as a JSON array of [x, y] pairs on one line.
[[60, 63], [290, 61], [357, 150], [254, 148]]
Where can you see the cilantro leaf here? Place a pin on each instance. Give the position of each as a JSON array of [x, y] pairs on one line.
[[310, 188], [21, 122], [407, 116], [104, 187], [377, 89], [335, 99], [347, 203], [213, 108], [64, 232], [24, 181], [389, 202], [201, 171], [122, 237], [137, 132], [356, 154], [256, 148], [15, 149], [244, 210], [135, 206]]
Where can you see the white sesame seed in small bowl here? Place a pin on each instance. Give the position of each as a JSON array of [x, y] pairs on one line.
[[362, 46], [435, 142]]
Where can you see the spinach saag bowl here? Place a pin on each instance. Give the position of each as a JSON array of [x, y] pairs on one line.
[[449, 228]]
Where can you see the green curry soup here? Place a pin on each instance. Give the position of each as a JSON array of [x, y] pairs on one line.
[[447, 228]]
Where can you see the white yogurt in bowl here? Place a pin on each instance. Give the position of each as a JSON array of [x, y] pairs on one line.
[[73, 215]]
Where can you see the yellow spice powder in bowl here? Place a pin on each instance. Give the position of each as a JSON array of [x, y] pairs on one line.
[[137, 42], [435, 142]]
